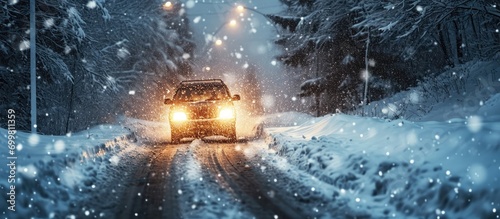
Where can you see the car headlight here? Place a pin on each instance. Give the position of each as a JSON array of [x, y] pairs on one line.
[[226, 113], [179, 116]]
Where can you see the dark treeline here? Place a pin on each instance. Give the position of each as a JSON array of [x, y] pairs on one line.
[[400, 42], [95, 60]]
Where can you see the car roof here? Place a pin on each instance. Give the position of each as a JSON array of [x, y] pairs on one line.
[[206, 81]]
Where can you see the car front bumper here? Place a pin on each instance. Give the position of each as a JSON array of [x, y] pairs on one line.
[[203, 128]]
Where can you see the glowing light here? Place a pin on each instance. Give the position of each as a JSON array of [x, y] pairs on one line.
[[179, 116], [168, 5], [218, 42], [232, 23], [226, 113], [240, 8]]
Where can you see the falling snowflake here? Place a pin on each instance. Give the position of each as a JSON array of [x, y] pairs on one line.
[[33, 139], [122, 53], [67, 49], [197, 19], [48, 23], [24, 45], [190, 4], [91, 4], [474, 123], [114, 160], [59, 146]]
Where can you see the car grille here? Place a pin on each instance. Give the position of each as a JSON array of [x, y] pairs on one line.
[[203, 111]]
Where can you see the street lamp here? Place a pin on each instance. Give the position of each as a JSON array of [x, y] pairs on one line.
[[232, 23], [241, 9], [168, 5]]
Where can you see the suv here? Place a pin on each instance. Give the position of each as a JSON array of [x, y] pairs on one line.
[[202, 108]]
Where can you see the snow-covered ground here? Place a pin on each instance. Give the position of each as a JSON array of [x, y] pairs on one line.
[[397, 168], [432, 166], [444, 163], [52, 173], [458, 92]]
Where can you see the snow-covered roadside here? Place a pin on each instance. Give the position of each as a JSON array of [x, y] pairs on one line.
[[54, 174], [443, 163], [399, 168], [458, 92]]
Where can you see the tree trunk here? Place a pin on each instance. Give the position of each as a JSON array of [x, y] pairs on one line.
[[317, 100], [70, 108], [365, 98], [452, 40]]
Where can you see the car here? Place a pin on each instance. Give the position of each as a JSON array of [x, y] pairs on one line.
[[201, 108]]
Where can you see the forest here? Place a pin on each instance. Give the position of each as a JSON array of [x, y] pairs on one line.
[[94, 60], [349, 53]]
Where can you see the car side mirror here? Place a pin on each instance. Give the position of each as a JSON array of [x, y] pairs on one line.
[[236, 97], [168, 101]]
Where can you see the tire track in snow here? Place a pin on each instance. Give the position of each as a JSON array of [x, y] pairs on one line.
[[152, 186], [200, 195], [238, 178]]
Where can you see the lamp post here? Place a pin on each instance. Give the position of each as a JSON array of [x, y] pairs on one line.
[[33, 66]]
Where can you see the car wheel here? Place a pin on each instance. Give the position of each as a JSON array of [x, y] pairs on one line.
[[232, 135], [175, 138]]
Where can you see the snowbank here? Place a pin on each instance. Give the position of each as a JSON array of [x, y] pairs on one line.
[[399, 168], [456, 93], [53, 173]]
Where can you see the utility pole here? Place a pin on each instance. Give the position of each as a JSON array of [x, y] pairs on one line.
[[33, 65]]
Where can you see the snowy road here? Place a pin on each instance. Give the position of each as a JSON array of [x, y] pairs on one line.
[[211, 179], [150, 191]]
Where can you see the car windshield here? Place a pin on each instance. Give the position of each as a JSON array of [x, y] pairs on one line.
[[201, 92]]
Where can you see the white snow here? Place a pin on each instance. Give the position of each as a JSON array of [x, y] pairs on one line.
[[398, 168], [444, 163], [52, 171]]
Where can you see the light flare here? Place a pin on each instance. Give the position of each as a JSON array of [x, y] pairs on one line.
[[226, 113], [168, 5], [179, 116]]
